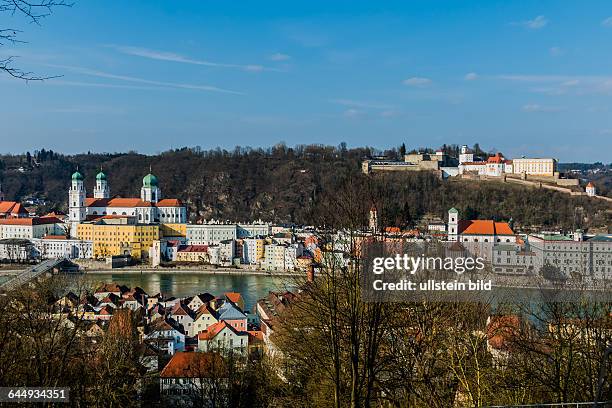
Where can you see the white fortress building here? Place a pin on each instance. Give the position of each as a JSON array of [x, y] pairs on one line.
[[498, 165], [590, 189], [150, 208]]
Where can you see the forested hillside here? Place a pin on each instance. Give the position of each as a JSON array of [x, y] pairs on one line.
[[284, 184]]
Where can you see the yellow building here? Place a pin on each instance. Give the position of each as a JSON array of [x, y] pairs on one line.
[[119, 236], [173, 230], [193, 253], [535, 167]]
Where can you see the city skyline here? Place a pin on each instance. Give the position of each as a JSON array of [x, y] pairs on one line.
[[520, 79]]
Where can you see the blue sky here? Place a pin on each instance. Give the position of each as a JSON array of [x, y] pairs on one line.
[[525, 78]]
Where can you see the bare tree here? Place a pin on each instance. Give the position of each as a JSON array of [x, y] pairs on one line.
[[34, 12]]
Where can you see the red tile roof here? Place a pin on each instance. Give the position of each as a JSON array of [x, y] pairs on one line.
[[180, 310], [501, 330], [193, 248], [30, 221], [169, 202], [498, 158], [130, 202], [255, 335], [213, 330], [484, 227], [12, 208], [109, 287], [185, 364], [55, 237], [233, 297]]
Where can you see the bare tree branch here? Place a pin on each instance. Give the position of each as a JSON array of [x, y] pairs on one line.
[[34, 11]]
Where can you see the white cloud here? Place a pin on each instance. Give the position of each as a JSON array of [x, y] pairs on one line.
[[159, 84], [417, 81], [556, 51], [279, 57], [607, 22], [534, 107], [535, 24], [563, 84], [471, 76], [173, 57]]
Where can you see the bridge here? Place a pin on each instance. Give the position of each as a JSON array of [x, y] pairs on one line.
[[47, 267]]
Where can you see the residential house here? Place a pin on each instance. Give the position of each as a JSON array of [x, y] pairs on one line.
[[188, 378], [166, 335], [222, 336]]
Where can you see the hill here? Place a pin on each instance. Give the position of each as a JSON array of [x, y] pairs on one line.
[[289, 185]]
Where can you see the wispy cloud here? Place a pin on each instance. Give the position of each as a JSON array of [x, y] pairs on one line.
[[88, 109], [535, 24], [471, 76], [534, 107], [353, 113], [174, 57], [279, 57], [564, 84], [607, 22], [61, 82], [360, 104], [417, 81], [160, 84], [556, 51]]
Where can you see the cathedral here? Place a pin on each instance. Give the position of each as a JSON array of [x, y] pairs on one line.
[[150, 208]]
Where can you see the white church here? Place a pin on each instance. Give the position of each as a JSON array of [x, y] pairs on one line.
[[150, 208]]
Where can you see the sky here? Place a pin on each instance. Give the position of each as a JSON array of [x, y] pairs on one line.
[[525, 78]]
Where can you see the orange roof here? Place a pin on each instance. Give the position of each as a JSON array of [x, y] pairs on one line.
[[233, 297], [55, 237], [501, 330], [191, 364], [255, 334], [392, 229], [169, 202], [130, 202], [484, 227], [473, 163], [30, 221], [213, 330], [12, 208], [498, 158], [109, 287], [179, 309], [590, 184]]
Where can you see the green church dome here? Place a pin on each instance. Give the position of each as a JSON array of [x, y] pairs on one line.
[[77, 176], [149, 181], [101, 176]]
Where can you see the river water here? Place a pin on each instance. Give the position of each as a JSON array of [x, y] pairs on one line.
[[181, 284]]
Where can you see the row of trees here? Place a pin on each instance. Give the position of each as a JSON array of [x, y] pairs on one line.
[[339, 349]]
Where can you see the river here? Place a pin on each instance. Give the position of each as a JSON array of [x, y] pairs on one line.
[[181, 284]]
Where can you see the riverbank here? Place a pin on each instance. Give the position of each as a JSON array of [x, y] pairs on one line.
[[181, 271]]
